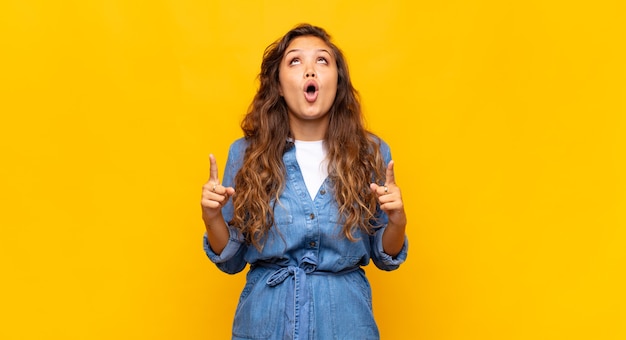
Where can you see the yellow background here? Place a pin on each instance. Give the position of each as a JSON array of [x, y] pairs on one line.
[[506, 121]]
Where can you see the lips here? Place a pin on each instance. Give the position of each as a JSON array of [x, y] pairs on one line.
[[311, 90]]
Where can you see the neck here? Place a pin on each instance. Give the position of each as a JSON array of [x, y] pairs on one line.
[[309, 130]]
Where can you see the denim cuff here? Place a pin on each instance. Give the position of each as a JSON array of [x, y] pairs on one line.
[[235, 240], [391, 262]]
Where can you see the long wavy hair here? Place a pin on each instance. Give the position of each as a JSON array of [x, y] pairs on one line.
[[354, 159]]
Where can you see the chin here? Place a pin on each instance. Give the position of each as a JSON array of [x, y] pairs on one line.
[[314, 116]]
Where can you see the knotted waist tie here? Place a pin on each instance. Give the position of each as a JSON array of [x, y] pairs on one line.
[[298, 316]]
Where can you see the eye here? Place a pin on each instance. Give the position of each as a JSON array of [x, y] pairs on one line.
[[322, 60], [294, 61]]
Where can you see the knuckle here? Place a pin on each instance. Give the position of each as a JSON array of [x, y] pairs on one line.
[[210, 204]]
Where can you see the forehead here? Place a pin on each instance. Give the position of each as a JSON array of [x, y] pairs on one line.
[[307, 43]]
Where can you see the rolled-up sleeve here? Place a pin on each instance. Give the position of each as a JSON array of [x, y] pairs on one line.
[[231, 259], [383, 260]]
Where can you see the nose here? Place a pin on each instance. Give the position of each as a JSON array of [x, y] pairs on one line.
[[309, 72]]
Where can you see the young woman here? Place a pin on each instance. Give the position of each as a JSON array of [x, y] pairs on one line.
[[308, 198]]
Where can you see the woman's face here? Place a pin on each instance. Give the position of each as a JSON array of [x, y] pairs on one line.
[[308, 82]]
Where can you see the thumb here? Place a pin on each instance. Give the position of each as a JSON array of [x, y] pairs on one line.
[[374, 187]]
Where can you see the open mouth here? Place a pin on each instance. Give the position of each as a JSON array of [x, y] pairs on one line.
[[310, 91]]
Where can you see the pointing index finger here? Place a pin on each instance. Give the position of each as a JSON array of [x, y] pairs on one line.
[[390, 177], [213, 170]]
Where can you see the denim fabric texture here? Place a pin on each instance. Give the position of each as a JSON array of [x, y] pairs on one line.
[[307, 282]]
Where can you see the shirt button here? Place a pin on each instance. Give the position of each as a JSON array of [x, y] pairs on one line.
[[312, 244], [312, 216], [322, 192]]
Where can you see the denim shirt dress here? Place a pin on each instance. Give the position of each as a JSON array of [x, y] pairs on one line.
[[307, 281]]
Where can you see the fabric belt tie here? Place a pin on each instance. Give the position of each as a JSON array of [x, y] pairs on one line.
[[298, 316]]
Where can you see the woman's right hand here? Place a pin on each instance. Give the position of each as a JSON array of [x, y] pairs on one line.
[[214, 197]]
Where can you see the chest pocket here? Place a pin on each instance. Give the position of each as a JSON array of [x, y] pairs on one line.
[[334, 218], [282, 212]]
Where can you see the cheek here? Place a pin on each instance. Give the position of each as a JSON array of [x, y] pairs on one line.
[[333, 79], [287, 84], [283, 82], [333, 83], [280, 84]]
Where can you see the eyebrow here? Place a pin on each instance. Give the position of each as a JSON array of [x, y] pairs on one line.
[[317, 50]]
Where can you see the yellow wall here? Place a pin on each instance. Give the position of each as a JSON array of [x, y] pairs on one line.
[[506, 119]]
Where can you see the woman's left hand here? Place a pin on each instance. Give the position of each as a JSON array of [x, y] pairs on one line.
[[390, 198]]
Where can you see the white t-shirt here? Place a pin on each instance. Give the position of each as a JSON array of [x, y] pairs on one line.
[[311, 157]]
